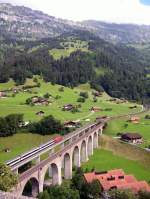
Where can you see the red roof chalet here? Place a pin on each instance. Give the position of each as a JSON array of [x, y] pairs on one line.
[[117, 179]]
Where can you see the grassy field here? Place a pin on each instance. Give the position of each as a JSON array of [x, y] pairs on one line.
[[103, 160], [122, 125], [69, 47], [17, 105], [114, 154], [20, 143]]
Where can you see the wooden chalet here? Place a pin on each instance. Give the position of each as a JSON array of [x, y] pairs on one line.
[[3, 94], [39, 101], [71, 124], [134, 138], [68, 107], [95, 109], [135, 119], [40, 113]]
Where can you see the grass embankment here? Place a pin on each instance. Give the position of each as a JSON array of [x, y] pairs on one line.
[[19, 143], [113, 154], [123, 125]]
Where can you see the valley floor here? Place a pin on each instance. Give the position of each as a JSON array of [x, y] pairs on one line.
[[113, 154]]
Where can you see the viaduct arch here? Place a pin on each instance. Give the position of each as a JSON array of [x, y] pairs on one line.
[[71, 155]]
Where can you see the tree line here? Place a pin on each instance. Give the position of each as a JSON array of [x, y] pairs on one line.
[[125, 74]]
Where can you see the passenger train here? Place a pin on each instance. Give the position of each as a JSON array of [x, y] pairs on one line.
[[34, 151]]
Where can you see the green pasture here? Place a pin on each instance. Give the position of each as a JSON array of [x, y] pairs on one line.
[[104, 160], [123, 125], [19, 143], [69, 47], [17, 104]]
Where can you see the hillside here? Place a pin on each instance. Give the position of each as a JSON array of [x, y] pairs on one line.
[[119, 33], [63, 53], [24, 23], [16, 103]]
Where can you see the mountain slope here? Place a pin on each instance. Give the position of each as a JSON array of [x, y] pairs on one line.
[[120, 33], [25, 23]]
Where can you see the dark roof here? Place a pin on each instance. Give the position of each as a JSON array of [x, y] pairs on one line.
[[40, 112], [131, 136]]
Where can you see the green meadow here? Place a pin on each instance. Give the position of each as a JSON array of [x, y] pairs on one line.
[[22, 142], [69, 96], [104, 160], [68, 48], [19, 143], [123, 125], [114, 154]]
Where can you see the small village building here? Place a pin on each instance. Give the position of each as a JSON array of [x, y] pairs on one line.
[[117, 179], [95, 109], [39, 101], [102, 118], [16, 90], [40, 113], [134, 138], [6, 150], [135, 119], [3, 94], [71, 124], [68, 107], [97, 94]]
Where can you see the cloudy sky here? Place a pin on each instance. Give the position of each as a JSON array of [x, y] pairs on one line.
[[120, 11]]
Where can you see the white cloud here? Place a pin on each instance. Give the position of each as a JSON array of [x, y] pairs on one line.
[[120, 11]]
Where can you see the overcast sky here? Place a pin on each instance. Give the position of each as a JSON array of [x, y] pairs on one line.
[[120, 11]]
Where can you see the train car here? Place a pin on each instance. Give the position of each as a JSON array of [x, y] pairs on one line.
[[58, 139]]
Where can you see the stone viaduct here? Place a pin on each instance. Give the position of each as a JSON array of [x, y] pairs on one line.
[[59, 164]]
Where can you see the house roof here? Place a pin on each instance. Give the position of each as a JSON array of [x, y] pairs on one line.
[[131, 136], [135, 118], [40, 112], [117, 178]]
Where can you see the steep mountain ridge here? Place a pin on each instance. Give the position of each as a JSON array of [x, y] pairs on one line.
[[25, 23], [122, 33]]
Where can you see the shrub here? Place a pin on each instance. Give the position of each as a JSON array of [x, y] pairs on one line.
[[61, 89], [84, 94], [81, 99]]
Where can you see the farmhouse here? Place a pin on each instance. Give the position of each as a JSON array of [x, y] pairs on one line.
[[134, 138], [39, 101], [40, 113], [6, 150], [97, 94], [135, 119], [71, 124], [3, 94], [68, 107], [117, 179], [95, 109], [104, 118]]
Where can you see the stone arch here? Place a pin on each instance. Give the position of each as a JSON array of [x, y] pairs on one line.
[[47, 176], [55, 174], [90, 145], [67, 166], [83, 151], [95, 140], [76, 156], [31, 188]]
